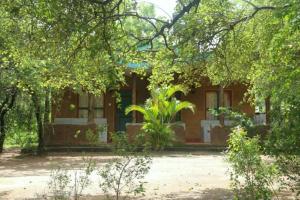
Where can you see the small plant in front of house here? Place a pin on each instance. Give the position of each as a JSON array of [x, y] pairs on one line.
[[159, 112], [238, 118], [91, 136], [251, 176], [121, 144], [65, 184], [94, 137], [59, 184], [124, 177]]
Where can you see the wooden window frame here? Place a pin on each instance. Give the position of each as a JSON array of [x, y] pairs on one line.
[[81, 108], [99, 108], [94, 107], [218, 96]]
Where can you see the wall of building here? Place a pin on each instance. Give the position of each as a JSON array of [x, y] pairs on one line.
[[192, 132], [68, 135], [65, 105]]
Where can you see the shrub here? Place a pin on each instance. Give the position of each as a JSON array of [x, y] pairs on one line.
[[251, 177], [289, 166], [121, 145], [238, 118], [124, 176], [159, 112], [59, 183], [21, 138], [65, 184]]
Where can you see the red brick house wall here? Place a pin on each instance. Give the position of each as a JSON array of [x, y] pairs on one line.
[[197, 97], [193, 132]]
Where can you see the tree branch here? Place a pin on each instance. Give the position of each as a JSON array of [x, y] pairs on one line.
[[169, 25]]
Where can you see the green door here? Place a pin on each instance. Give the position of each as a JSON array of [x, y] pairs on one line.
[[122, 119]]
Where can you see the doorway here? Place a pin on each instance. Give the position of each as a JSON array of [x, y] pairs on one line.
[[122, 119]]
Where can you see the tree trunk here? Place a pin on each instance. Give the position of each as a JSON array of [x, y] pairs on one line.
[[47, 107], [39, 121], [6, 105], [2, 132]]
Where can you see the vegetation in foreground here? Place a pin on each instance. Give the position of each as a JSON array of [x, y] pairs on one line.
[[159, 114], [41, 53]]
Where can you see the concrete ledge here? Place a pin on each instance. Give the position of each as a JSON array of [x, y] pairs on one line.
[[132, 129], [108, 148], [78, 121]]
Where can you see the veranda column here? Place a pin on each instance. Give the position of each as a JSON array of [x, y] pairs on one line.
[[134, 96], [221, 103], [91, 114]]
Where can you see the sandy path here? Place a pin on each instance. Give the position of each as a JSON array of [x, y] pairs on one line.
[[198, 175]]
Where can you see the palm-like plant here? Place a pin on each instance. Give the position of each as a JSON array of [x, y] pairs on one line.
[[159, 111]]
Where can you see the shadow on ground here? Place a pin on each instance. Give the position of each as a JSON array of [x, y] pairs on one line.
[[15, 164], [207, 194]]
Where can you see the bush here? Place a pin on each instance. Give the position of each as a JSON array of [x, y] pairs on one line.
[[65, 184], [238, 118], [251, 177], [160, 135], [121, 145], [18, 137], [159, 112], [289, 166], [124, 176]]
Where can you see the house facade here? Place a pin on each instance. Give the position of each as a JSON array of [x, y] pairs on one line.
[[84, 119]]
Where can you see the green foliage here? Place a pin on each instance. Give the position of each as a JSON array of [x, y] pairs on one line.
[[238, 118], [52, 45], [17, 137], [159, 111], [91, 136], [289, 165], [21, 124], [125, 176], [256, 42], [59, 184], [64, 184], [122, 145], [251, 176]]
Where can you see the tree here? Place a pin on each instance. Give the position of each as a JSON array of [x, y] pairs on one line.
[[8, 98], [253, 42]]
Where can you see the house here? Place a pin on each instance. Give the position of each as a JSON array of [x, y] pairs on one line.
[[83, 119]]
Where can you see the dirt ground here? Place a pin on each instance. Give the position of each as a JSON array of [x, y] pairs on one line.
[[197, 175]]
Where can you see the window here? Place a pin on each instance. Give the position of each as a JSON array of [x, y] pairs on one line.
[[212, 102], [98, 107], [83, 105], [83, 108], [227, 99]]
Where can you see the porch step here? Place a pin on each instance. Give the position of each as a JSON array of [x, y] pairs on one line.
[[104, 148], [196, 147], [107, 148]]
